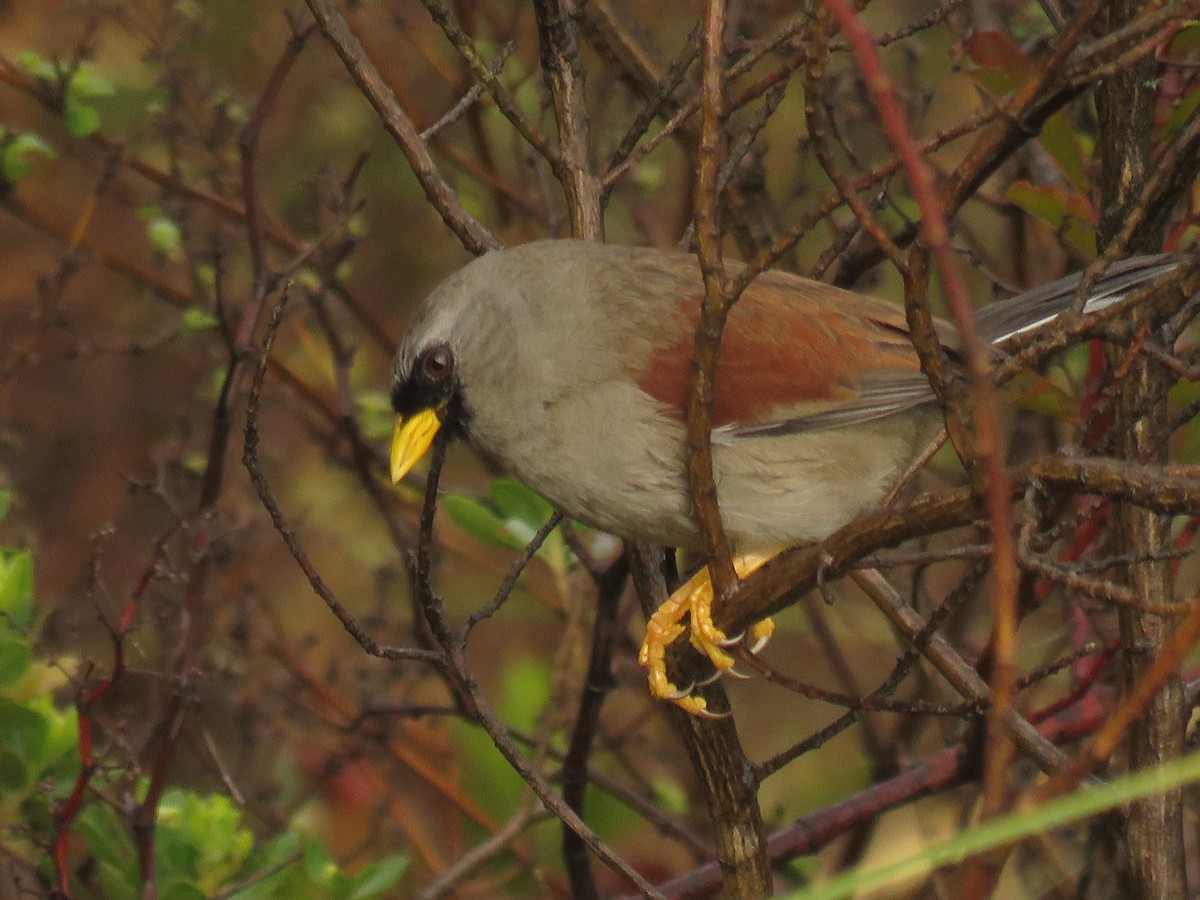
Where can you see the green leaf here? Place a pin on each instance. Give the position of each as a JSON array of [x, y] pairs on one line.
[[201, 839], [1061, 139], [1182, 113], [22, 731], [115, 881], [1002, 66], [195, 319], [81, 119], [5, 502], [165, 235], [105, 837], [86, 83], [375, 414], [17, 159], [1006, 829], [527, 687], [1068, 214], [671, 795], [15, 657], [109, 843], [486, 773], [1040, 394], [515, 501], [377, 877], [16, 587], [181, 889], [317, 863], [480, 522], [14, 773], [62, 737], [36, 65]]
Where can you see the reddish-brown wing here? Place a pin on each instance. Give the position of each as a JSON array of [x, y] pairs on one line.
[[791, 347]]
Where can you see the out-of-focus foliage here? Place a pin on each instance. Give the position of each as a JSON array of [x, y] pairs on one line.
[[169, 169]]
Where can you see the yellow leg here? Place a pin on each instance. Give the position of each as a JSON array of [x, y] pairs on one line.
[[694, 599]]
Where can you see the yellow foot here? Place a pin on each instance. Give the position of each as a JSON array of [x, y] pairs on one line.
[[694, 599]]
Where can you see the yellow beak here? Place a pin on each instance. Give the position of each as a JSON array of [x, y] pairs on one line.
[[411, 439]]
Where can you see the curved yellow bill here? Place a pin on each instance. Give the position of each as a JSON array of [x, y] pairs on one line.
[[411, 439]]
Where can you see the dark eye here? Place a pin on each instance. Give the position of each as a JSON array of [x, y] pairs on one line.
[[437, 364]]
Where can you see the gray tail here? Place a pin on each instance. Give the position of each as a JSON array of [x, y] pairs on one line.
[[1031, 309]]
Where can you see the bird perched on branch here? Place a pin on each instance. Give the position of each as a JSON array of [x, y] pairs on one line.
[[570, 363]]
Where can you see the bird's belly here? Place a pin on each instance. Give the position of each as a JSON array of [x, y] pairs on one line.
[[778, 491], [627, 474], [774, 491]]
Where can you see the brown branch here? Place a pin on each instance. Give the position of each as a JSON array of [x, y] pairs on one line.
[[598, 681], [714, 309], [1170, 489], [558, 33], [958, 672], [1153, 712], [254, 467], [980, 448], [817, 117], [483, 73], [465, 681], [943, 771], [728, 778], [1131, 711], [473, 235]]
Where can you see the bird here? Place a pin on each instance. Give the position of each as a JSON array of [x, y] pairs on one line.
[[568, 364]]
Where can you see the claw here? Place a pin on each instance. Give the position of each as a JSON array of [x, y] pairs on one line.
[[679, 693], [693, 600], [761, 632]]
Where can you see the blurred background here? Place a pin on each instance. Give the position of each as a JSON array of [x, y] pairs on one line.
[[130, 310]]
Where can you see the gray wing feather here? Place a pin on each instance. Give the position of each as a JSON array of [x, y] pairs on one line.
[[1034, 308]]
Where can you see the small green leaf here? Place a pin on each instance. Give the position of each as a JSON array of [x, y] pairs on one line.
[[375, 415], [515, 501], [1069, 215], [1040, 394], [1182, 113], [526, 690], [196, 319], [648, 175], [80, 118], [181, 889], [36, 65], [17, 160], [16, 587], [165, 235], [480, 522], [670, 795], [22, 731], [318, 865], [377, 877], [86, 83], [1060, 137], [115, 881], [15, 657], [14, 773]]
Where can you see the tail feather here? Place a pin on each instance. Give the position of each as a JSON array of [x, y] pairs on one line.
[[1032, 309]]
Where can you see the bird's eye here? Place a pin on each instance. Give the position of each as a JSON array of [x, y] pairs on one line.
[[437, 364]]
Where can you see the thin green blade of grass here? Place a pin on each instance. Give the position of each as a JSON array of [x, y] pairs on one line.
[[1013, 827]]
